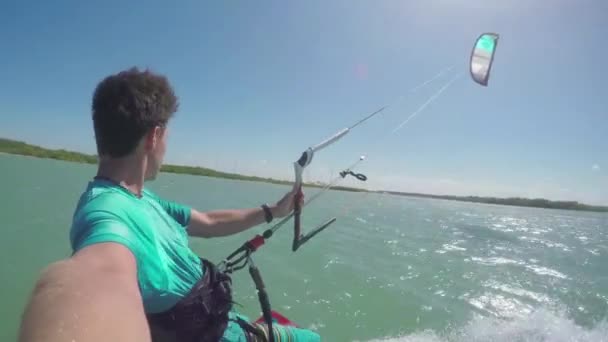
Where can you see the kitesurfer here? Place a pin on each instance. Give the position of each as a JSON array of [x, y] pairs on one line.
[[132, 275]]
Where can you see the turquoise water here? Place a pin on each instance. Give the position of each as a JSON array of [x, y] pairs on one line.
[[390, 269]]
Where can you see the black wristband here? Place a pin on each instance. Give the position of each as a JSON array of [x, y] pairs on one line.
[[267, 212]]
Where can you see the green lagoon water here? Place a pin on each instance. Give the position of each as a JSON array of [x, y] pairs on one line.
[[390, 269]]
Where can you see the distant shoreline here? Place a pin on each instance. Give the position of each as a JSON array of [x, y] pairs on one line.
[[510, 201], [15, 147]]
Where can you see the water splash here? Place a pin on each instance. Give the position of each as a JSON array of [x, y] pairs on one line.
[[538, 326]]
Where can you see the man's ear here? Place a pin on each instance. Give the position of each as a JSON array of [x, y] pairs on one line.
[[151, 138]]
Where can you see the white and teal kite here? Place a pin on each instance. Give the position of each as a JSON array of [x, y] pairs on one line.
[[482, 57]]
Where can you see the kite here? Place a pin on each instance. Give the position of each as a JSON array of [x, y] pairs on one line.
[[482, 57]]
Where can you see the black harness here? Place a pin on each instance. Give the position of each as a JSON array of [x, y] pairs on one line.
[[202, 315]]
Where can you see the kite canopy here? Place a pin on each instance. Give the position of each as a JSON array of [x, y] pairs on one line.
[[482, 57]]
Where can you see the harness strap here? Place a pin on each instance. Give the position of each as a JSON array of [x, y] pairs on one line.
[[253, 332], [262, 333], [202, 315]]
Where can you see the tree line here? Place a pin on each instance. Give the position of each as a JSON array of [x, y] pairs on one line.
[[22, 148], [514, 201]]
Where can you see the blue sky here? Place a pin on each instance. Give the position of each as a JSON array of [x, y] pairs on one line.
[[260, 81]]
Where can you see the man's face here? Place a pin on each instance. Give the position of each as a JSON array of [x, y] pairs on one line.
[[156, 152]]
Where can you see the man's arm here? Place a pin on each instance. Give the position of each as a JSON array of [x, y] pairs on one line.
[[225, 222], [232, 221], [92, 296]]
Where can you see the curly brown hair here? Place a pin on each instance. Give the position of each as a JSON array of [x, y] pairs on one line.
[[126, 106]]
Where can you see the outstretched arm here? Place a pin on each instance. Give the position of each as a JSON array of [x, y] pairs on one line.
[[232, 221], [225, 222], [92, 296]]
